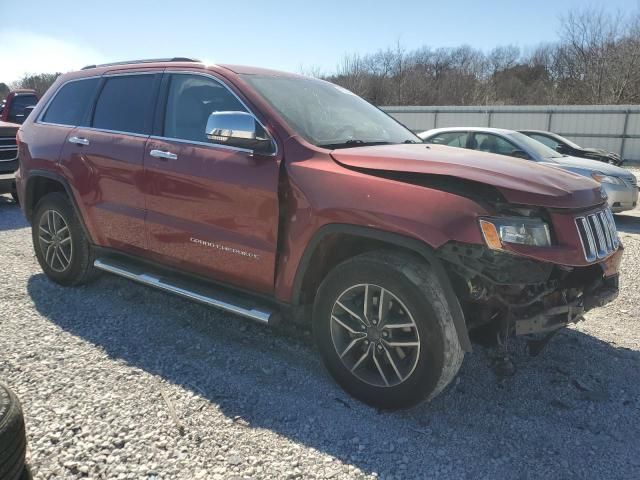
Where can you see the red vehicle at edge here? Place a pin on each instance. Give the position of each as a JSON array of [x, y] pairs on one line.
[[18, 104], [269, 194]]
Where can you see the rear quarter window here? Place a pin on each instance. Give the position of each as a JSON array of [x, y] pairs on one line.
[[72, 102]]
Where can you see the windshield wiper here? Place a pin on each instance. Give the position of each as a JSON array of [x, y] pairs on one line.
[[352, 142]]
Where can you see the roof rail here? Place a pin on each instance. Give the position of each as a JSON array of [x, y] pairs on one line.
[[148, 60]]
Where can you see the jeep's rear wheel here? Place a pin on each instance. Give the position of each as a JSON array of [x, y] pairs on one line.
[[383, 327], [61, 247]]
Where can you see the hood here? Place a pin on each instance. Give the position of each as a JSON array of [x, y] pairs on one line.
[[586, 166], [520, 181], [601, 152], [597, 151]]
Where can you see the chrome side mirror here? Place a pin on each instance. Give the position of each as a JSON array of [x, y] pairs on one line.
[[238, 129]]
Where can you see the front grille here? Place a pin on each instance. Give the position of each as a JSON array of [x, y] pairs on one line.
[[8, 149], [598, 234]]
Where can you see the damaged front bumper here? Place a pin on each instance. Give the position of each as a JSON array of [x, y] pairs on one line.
[[522, 296], [560, 316]]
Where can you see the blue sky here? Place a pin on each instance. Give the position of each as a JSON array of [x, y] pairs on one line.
[[287, 35]]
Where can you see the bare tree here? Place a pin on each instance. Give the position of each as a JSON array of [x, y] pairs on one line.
[[40, 82], [596, 61]]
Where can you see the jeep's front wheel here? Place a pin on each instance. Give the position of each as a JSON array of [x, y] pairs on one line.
[[61, 247], [384, 330]]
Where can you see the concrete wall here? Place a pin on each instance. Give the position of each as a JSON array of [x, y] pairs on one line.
[[613, 127]]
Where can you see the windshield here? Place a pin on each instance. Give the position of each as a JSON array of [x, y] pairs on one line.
[[327, 115], [570, 143], [540, 149]]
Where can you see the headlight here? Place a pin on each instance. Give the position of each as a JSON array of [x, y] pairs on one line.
[[602, 178], [523, 231]]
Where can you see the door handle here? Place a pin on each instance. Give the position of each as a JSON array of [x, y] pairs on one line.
[[78, 141], [163, 155]]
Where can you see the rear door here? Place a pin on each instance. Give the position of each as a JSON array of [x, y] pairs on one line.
[[105, 159], [211, 209]]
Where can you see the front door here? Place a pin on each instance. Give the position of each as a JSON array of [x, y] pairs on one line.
[[211, 210]]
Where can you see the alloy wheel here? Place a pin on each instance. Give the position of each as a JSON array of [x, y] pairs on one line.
[[375, 335], [55, 241]]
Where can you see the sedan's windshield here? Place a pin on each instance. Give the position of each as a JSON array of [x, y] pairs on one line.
[[327, 115], [540, 149], [570, 143]]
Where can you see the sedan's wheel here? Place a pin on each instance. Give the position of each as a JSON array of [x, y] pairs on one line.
[[62, 248], [375, 335], [383, 326]]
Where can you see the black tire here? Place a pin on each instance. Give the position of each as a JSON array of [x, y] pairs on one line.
[[416, 289], [14, 195], [80, 268], [13, 440]]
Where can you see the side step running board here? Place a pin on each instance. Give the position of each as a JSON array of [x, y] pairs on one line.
[[206, 295]]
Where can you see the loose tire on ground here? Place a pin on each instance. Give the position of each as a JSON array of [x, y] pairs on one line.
[[55, 224], [13, 440], [405, 375]]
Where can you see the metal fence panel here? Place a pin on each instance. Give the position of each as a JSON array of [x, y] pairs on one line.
[[612, 127], [455, 119], [515, 121]]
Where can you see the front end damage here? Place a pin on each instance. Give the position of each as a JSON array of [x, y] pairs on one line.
[[519, 296]]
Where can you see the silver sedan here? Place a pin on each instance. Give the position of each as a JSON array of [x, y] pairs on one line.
[[620, 185]]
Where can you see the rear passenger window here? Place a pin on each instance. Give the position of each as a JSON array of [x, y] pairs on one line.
[[125, 104], [71, 103], [191, 99], [451, 139]]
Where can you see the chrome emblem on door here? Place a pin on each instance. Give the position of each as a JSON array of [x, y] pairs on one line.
[[224, 248]]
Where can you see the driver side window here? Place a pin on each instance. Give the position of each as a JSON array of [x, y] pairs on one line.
[[191, 99], [451, 139], [487, 142]]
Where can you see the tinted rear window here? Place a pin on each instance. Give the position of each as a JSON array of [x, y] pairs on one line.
[[125, 104], [20, 102], [71, 103]]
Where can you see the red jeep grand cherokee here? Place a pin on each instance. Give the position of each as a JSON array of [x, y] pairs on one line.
[[269, 194]]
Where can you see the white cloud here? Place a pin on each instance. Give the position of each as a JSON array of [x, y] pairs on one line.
[[26, 52]]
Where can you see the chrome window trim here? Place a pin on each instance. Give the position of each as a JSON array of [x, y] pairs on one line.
[[203, 144], [106, 75], [168, 71], [124, 74], [158, 137], [119, 132], [48, 104]]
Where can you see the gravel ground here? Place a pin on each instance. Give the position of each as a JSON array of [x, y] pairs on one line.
[[120, 381]]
